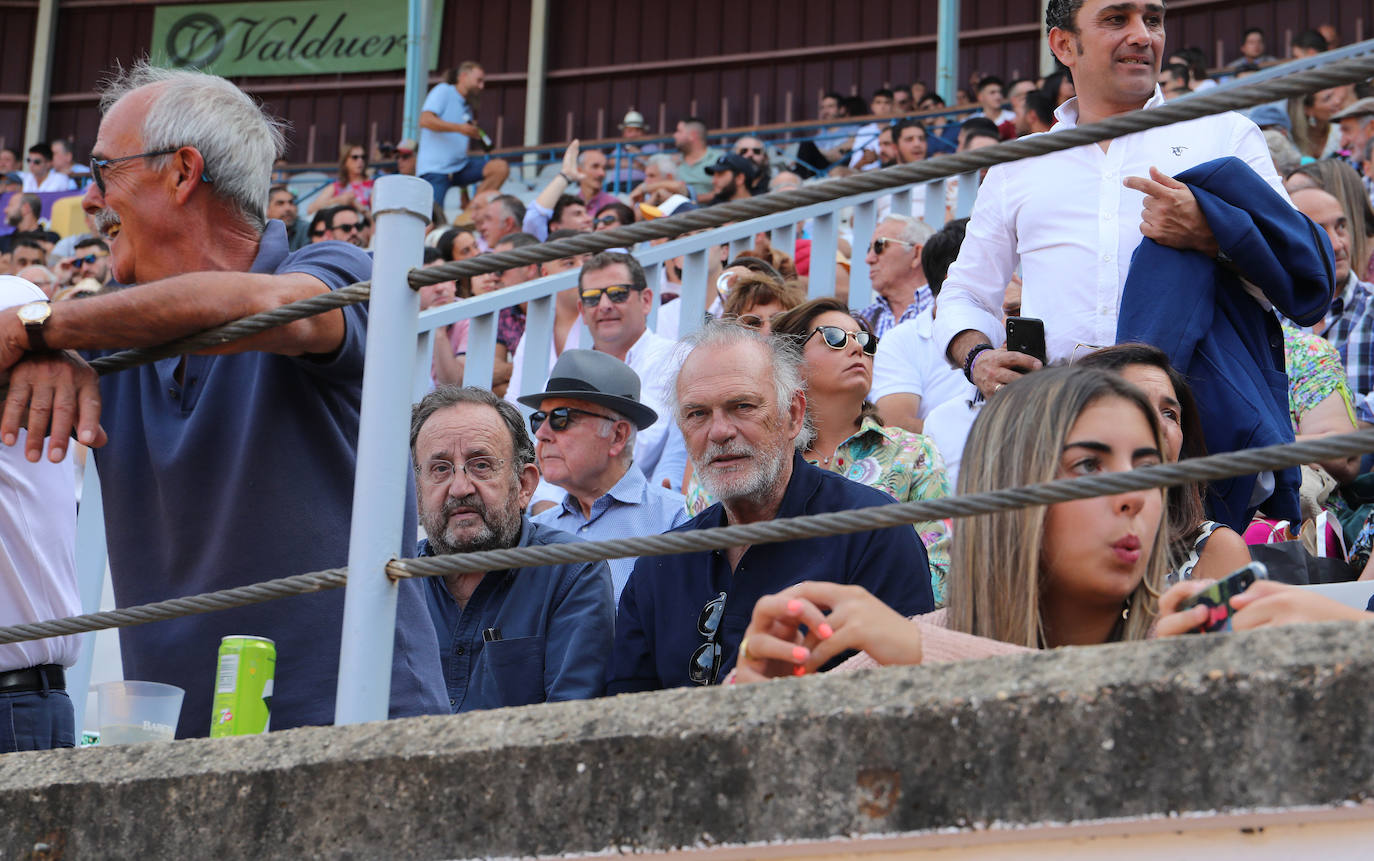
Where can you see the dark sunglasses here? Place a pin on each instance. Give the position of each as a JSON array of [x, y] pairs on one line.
[[835, 338], [617, 293], [560, 417], [318, 233], [88, 260], [98, 166], [705, 663], [607, 219], [880, 244], [749, 150], [347, 228], [36, 160]]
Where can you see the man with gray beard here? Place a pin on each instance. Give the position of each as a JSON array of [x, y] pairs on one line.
[[741, 409], [506, 638]]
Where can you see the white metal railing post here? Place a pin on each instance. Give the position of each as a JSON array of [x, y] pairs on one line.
[[696, 292], [784, 238], [968, 193], [825, 244], [401, 206], [865, 221], [935, 203]]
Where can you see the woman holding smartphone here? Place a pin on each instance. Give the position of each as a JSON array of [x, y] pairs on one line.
[[1073, 573]]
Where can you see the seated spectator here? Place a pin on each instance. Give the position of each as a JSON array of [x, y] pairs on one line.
[[9, 160], [506, 638], [992, 99], [754, 149], [1072, 573], [281, 205], [690, 139], [501, 216], [755, 299], [458, 243], [731, 177], [24, 212], [1252, 54], [557, 207], [661, 181], [26, 250], [1199, 547], [584, 436], [343, 223], [613, 215], [1357, 129], [1341, 181], [351, 187], [319, 227], [40, 176], [832, 144], [1058, 88], [92, 261], [1174, 81], [1036, 116], [894, 267], [1308, 43], [866, 138], [41, 277], [901, 99], [740, 407], [845, 433], [910, 375], [911, 142]]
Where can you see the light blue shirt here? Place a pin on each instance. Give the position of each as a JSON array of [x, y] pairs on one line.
[[631, 508], [444, 152]]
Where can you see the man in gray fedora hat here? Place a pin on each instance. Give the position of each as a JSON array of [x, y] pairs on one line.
[[584, 434]]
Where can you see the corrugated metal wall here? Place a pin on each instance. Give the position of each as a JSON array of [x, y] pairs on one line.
[[729, 62]]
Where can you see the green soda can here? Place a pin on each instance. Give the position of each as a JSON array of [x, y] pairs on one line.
[[243, 686]]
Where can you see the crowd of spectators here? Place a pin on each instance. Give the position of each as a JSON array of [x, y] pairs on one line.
[[1247, 317]]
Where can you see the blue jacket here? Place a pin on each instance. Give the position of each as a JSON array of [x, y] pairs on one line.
[[1228, 346], [656, 628]]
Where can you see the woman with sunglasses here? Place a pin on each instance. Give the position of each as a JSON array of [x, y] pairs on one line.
[[1083, 572], [352, 188], [613, 215], [845, 433]]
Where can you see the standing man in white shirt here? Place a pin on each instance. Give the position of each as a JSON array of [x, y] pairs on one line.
[[1072, 219], [40, 176], [615, 306], [37, 584]]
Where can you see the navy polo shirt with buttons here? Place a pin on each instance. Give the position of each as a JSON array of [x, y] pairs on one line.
[[527, 635], [656, 629], [243, 472]]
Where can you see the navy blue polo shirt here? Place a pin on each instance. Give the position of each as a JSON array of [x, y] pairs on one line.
[[527, 635], [240, 474], [656, 626]]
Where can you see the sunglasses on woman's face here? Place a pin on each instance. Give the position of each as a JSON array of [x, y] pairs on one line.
[[835, 338]]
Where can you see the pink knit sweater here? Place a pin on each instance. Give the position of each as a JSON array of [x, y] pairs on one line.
[[940, 644]]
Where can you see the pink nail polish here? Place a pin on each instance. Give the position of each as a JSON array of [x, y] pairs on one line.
[[800, 653], [794, 607], [825, 632]]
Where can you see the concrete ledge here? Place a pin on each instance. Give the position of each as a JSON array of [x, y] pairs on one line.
[[1220, 724]]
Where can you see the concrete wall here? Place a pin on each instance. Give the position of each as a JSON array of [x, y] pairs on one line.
[[1218, 732]]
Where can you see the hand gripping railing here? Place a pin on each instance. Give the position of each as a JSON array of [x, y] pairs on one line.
[[1209, 468]]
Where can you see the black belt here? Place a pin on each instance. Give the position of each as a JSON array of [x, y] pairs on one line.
[[32, 679]]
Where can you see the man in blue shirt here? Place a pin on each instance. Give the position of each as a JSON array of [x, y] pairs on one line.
[[741, 409], [229, 467], [584, 434], [506, 638], [448, 126]]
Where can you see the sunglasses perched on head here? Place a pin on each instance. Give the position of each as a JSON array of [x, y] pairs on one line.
[[835, 338], [617, 293], [880, 244], [560, 417]]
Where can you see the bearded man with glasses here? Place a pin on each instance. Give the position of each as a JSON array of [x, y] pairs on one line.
[[506, 638], [740, 406]]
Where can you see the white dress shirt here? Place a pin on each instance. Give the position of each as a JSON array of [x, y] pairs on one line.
[[910, 362], [54, 181], [1072, 226]]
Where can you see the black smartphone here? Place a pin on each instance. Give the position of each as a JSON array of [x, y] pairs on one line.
[[1218, 596], [1027, 335]]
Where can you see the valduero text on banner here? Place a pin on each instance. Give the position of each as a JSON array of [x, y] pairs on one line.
[[295, 37]]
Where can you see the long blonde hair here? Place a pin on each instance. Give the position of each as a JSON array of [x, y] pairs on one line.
[[996, 577]]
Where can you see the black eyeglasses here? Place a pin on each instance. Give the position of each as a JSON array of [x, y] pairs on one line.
[[705, 663], [835, 338], [559, 417], [617, 293], [880, 244]]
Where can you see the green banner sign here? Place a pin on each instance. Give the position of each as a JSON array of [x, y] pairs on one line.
[[296, 37]]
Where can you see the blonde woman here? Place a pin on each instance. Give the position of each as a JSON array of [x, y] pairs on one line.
[[1073, 573]]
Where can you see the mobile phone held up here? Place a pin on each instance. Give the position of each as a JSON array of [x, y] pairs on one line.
[[1218, 596], [1027, 335]]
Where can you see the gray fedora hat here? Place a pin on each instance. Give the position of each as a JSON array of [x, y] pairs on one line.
[[599, 378]]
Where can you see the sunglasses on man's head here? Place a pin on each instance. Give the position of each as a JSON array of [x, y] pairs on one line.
[[560, 417], [617, 293], [880, 244], [835, 338]]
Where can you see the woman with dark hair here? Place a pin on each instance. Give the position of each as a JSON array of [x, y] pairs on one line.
[[352, 188], [1200, 548]]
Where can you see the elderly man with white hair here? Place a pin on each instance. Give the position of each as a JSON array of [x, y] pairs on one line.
[[584, 440], [894, 268], [662, 180]]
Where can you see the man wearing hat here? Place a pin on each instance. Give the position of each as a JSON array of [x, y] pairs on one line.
[[731, 176], [584, 439], [540, 633], [1357, 127]]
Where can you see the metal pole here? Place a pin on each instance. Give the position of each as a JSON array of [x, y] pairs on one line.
[[40, 76], [947, 51], [401, 205], [534, 81], [417, 66]]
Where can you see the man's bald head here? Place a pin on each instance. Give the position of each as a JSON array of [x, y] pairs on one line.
[[1326, 210]]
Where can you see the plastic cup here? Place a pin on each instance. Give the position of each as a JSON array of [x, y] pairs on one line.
[[133, 712]]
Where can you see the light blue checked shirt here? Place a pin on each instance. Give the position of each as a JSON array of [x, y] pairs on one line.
[[879, 315], [630, 509]]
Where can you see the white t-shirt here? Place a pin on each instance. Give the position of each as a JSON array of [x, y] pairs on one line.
[[54, 181], [37, 538], [948, 426], [910, 362]]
